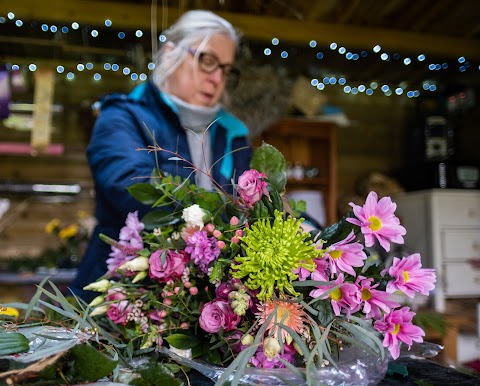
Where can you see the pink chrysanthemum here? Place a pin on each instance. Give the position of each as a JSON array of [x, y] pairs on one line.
[[410, 277], [374, 301], [397, 327], [377, 220], [344, 298], [345, 255]]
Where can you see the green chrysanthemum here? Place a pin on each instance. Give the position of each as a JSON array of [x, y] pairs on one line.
[[272, 252]]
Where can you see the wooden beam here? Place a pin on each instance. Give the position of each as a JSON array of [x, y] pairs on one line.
[[254, 27]]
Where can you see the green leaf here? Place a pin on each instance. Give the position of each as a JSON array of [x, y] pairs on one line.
[[338, 231], [90, 364], [13, 343], [182, 341], [146, 193], [156, 374], [160, 218], [214, 357], [325, 313], [268, 160]]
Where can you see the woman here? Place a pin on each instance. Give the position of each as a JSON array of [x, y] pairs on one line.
[[180, 111]]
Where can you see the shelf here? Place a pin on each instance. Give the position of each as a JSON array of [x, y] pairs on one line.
[[309, 143]]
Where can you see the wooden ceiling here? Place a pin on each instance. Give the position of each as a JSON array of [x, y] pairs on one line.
[[443, 30]]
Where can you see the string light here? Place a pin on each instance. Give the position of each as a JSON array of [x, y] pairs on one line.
[[331, 80]]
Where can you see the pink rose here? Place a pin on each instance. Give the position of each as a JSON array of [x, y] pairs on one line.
[[118, 312], [218, 314], [251, 187], [173, 267], [115, 294]]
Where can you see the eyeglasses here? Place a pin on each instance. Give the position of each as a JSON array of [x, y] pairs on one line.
[[209, 64]]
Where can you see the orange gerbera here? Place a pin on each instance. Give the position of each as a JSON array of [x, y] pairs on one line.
[[289, 314]]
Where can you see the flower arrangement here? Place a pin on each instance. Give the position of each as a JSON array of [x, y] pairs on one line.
[[240, 281], [222, 276]]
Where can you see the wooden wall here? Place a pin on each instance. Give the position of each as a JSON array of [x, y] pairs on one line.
[[374, 141]]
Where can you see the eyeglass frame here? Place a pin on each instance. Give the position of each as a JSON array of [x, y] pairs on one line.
[[231, 77]]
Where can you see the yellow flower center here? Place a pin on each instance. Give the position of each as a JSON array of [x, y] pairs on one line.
[[366, 294], [396, 329], [405, 276], [336, 294], [336, 254], [375, 223]]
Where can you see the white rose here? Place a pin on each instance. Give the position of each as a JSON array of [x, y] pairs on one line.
[[194, 216]]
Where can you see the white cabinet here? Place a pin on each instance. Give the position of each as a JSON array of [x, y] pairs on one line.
[[443, 225]]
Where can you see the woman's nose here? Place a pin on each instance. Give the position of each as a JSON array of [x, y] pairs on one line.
[[217, 75]]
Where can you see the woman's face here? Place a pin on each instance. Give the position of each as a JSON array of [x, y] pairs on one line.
[[198, 87]]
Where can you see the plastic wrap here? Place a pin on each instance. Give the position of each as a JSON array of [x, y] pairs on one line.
[[354, 368]]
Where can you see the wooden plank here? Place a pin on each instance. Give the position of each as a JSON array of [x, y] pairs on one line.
[[255, 27]]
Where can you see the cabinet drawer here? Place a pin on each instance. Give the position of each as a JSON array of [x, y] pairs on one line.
[[458, 210], [460, 244], [461, 279]]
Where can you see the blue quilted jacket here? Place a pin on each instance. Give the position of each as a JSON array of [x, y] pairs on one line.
[[127, 123]]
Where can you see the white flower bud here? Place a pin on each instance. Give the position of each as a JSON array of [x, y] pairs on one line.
[[99, 311], [138, 264], [139, 277], [247, 340], [97, 301], [271, 347], [99, 286]]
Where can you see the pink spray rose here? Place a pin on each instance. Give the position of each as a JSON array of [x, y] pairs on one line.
[[252, 186], [118, 311], [173, 267], [218, 314]]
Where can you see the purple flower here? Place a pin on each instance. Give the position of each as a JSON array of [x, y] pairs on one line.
[[261, 360], [410, 277], [218, 314], [202, 249], [132, 228], [222, 291]]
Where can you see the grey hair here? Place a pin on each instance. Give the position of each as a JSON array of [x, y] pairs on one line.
[[192, 27]]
